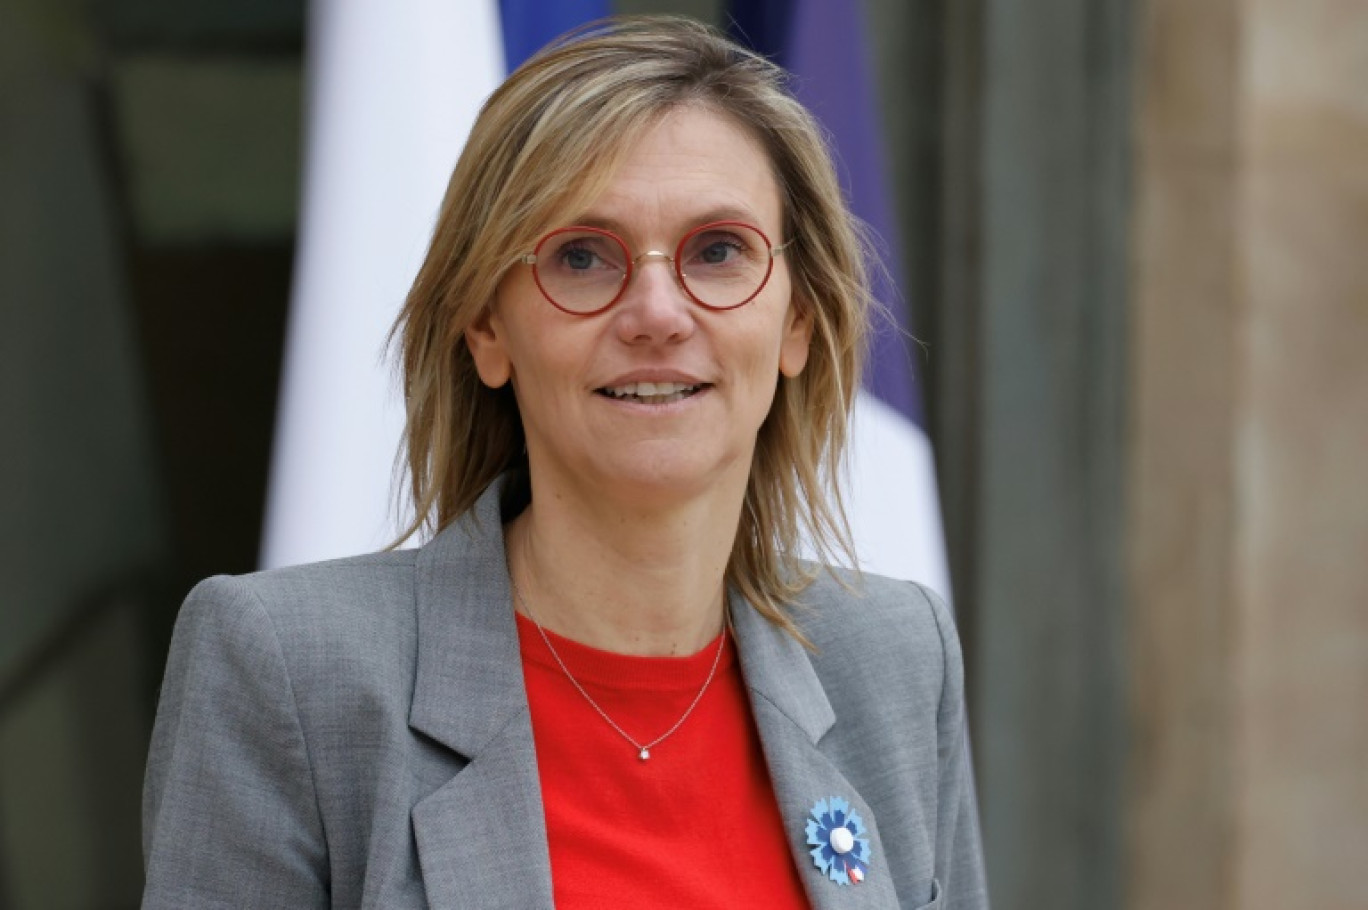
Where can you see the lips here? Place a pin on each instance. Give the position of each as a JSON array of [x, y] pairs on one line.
[[653, 392]]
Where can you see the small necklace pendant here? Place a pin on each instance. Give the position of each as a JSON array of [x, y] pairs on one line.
[[645, 754]]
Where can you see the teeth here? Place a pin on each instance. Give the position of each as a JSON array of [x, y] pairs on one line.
[[650, 389], [652, 392]]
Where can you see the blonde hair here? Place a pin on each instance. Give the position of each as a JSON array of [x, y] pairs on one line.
[[544, 147]]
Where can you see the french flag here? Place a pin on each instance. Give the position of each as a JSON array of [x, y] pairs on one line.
[[393, 89], [892, 494]]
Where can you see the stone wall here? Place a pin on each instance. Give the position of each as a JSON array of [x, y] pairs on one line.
[[1248, 774]]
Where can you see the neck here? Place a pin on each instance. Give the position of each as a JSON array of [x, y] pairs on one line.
[[647, 582]]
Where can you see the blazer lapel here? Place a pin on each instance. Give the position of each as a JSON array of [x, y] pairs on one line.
[[482, 836], [792, 714]]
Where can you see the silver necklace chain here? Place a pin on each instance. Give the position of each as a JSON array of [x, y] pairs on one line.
[[643, 749]]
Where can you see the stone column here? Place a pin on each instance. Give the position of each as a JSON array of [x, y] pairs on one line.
[[1248, 498]]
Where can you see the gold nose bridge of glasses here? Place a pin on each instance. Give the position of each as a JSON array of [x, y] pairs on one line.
[[675, 268]]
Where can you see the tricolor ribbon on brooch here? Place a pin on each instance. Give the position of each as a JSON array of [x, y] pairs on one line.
[[840, 847]]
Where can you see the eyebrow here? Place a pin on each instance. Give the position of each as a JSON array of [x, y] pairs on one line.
[[720, 213]]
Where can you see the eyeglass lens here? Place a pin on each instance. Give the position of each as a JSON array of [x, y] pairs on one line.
[[582, 270]]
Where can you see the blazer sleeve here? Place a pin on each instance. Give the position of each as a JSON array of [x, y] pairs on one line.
[[959, 850], [230, 816]]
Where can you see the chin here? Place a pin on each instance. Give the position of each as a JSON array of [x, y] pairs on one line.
[[665, 481], [668, 478]]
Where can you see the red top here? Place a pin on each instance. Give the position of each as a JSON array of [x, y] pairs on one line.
[[695, 825]]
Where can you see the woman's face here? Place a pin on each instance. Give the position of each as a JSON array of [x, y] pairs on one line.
[[574, 375]]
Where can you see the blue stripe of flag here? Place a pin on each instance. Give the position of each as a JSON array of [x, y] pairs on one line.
[[528, 25], [823, 44]]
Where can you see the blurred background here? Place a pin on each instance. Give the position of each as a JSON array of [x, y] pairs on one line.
[[1135, 242]]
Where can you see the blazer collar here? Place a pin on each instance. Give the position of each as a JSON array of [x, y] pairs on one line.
[[778, 670], [470, 697], [792, 714], [482, 836], [467, 636]]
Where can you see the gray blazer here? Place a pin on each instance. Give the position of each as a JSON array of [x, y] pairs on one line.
[[356, 734]]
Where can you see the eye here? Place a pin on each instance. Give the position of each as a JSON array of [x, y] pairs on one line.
[[718, 251], [719, 248], [578, 258], [588, 252]]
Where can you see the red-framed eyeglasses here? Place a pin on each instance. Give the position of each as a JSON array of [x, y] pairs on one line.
[[584, 270]]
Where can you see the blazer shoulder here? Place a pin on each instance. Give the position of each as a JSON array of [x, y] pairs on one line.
[[844, 608], [326, 611], [313, 591], [878, 628]]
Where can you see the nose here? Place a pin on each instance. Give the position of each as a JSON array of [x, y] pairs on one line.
[[654, 308]]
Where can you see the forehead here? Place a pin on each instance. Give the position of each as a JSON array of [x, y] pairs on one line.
[[691, 166]]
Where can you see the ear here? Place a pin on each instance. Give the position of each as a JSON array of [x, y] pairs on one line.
[[485, 339], [793, 349]]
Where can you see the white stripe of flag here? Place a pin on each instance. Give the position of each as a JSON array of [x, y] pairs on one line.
[[392, 91]]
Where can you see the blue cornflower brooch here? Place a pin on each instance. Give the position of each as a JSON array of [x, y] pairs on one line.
[[840, 846]]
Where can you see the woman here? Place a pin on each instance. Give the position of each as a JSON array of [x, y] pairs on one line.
[[607, 680]]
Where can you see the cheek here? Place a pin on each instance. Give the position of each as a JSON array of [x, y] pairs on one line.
[[773, 350], [520, 332], [758, 351], [546, 365]]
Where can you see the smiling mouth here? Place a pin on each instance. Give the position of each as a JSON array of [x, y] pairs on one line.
[[653, 392]]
